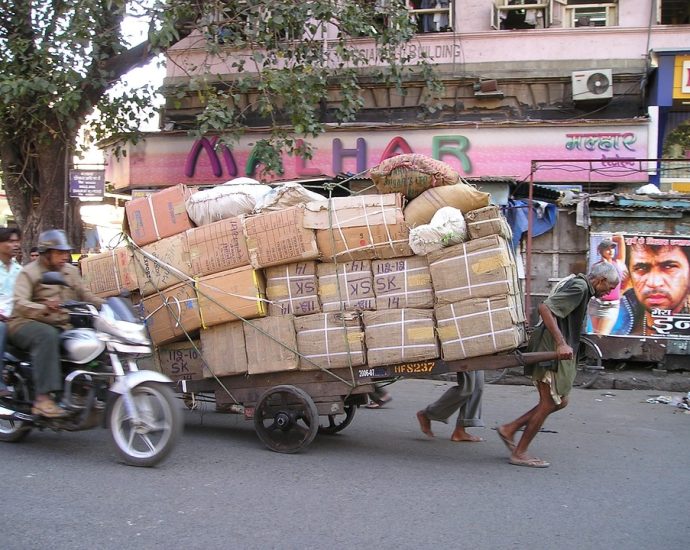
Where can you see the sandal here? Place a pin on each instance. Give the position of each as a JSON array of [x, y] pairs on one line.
[[379, 403], [48, 409], [529, 462]]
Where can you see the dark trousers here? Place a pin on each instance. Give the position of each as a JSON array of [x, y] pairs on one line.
[[43, 342], [3, 335]]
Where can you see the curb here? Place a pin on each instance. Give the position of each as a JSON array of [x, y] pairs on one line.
[[652, 380]]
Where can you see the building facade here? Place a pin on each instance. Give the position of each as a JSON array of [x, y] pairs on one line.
[[559, 80]]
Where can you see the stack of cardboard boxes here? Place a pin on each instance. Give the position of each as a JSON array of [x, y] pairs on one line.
[[329, 284]]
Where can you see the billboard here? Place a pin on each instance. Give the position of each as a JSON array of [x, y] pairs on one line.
[[653, 297]]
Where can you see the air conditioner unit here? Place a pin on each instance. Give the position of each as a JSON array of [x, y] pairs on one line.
[[594, 84]]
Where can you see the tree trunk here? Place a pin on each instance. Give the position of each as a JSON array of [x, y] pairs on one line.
[[35, 178]]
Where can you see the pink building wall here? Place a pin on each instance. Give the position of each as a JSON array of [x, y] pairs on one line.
[[171, 158], [476, 42]]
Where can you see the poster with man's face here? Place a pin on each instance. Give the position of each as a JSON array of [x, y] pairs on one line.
[[653, 296]]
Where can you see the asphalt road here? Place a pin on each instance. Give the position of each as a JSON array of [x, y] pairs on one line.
[[619, 479]]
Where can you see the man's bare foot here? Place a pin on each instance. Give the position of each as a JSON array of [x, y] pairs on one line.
[[507, 439], [461, 435], [424, 424]]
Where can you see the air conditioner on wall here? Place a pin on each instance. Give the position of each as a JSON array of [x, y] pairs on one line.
[[593, 84]]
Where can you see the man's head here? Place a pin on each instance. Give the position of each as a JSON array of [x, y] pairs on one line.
[[660, 275], [10, 243], [33, 253], [54, 249], [606, 249], [604, 278]]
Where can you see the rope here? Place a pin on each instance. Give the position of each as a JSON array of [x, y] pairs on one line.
[[199, 292]]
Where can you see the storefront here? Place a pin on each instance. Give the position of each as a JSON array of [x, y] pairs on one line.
[[670, 103]]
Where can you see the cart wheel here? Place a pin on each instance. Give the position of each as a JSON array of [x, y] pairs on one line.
[[589, 365], [286, 419], [335, 426]]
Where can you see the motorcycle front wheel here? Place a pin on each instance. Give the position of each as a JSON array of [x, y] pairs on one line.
[[150, 440], [13, 430]]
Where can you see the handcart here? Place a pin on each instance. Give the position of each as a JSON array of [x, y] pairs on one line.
[[286, 406]]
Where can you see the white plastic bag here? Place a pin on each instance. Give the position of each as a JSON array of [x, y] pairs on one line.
[[233, 198], [446, 228], [285, 196]]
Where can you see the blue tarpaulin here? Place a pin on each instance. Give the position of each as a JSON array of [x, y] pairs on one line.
[[545, 216]]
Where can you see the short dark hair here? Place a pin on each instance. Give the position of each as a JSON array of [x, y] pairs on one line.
[[655, 249], [33, 249], [7, 232]]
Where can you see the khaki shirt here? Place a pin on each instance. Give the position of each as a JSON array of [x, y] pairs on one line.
[[30, 296]]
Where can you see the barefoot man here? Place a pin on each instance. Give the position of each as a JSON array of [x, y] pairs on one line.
[[466, 398], [562, 315]]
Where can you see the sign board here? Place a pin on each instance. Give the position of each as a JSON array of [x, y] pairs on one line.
[[653, 298], [166, 159], [86, 183]]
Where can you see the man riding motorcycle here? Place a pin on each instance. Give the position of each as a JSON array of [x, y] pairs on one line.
[[37, 318]]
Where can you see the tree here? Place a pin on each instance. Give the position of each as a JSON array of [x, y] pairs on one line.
[[60, 58]]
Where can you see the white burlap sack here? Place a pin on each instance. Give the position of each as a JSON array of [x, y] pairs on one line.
[[234, 198], [284, 196], [446, 228]]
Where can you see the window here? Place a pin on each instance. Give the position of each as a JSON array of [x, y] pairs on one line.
[[579, 13], [432, 15], [673, 12], [521, 14]]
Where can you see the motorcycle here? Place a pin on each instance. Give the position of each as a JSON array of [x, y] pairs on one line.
[[102, 384]]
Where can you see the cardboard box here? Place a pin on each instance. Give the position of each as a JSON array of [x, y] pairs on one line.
[[275, 238], [158, 215], [399, 336], [292, 289], [364, 243], [162, 264], [172, 313], [109, 273], [349, 285], [403, 283], [217, 247], [480, 326], [224, 350], [330, 340], [355, 211], [230, 296], [270, 343], [474, 269], [487, 221], [180, 361]]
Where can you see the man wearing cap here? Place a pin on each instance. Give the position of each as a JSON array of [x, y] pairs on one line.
[[37, 318]]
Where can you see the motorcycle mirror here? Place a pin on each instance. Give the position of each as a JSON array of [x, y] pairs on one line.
[[53, 278]]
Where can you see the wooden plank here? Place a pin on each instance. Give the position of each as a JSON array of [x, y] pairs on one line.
[[250, 396], [331, 407], [425, 368]]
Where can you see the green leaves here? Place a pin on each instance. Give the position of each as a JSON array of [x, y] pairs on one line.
[[293, 66], [289, 66]]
